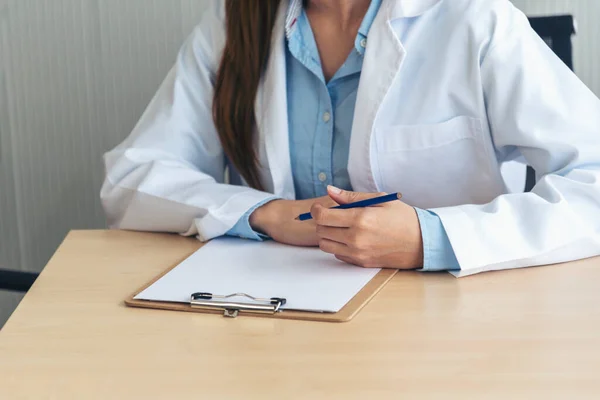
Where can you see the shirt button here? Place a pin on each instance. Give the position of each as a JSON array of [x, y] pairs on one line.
[[326, 117], [363, 43], [322, 176]]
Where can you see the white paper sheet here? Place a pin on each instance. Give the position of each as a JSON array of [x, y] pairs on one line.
[[307, 278]]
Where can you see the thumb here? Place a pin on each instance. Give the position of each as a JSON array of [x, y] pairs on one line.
[[345, 196]]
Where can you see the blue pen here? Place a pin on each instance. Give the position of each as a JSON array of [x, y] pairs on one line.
[[357, 204]]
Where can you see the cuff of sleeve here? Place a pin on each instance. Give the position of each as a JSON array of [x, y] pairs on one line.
[[243, 229], [438, 254]]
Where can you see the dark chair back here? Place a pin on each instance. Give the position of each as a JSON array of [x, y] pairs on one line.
[[17, 281], [557, 32]]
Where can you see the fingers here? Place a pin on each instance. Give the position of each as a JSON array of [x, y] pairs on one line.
[[334, 218], [348, 254], [347, 234], [325, 201], [347, 260], [359, 261], [331, 247], [340, 235], [345, 196]]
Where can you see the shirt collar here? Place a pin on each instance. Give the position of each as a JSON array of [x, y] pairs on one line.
[[295, 9], [365, 26]]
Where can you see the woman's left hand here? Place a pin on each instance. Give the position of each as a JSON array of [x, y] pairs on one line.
[[383, 236]]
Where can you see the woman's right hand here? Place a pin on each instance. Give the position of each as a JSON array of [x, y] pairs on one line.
[[277, 219]]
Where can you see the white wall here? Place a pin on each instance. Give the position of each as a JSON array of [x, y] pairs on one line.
[[9, 252], [75, 75], [586, 44]]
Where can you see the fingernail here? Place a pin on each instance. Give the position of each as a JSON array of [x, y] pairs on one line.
[[334, 190]]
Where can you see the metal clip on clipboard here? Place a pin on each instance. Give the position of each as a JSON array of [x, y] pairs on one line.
[[231, 308]]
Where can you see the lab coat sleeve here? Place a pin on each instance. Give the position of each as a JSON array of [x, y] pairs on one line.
[[168, 175], [536, 106]]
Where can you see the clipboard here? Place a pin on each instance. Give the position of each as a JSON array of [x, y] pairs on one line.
[[270, 308]]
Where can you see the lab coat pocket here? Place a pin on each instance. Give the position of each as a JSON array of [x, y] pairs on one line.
[[437, 165]]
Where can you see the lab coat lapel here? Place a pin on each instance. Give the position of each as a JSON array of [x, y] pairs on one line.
[[272, 114], [383, 59], [409, 8]]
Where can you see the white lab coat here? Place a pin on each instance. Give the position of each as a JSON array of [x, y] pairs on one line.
[[450, 90]]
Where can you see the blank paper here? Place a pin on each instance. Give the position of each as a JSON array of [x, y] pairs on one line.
[[309, 279]]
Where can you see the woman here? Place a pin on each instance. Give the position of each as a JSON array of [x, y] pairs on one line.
[[322, 102]]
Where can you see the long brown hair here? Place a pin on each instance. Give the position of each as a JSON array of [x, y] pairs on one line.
[[249, 26]]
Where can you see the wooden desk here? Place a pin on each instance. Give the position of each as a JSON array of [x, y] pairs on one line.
[[532, 333]]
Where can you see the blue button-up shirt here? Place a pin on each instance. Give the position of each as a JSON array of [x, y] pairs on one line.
[[320, 117], [321, 112]]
